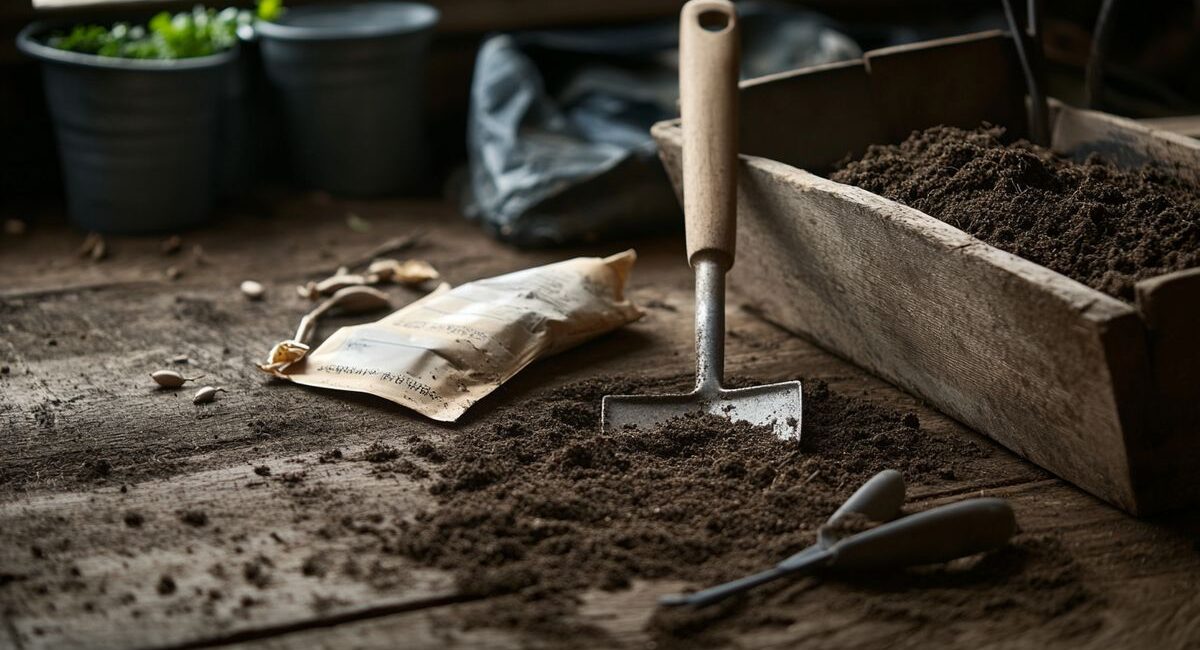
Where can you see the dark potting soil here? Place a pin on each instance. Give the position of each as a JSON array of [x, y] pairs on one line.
[[539, 507], [1103, 226]]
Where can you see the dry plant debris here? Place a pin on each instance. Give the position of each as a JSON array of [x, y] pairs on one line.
[[379, 271], [93, 247], [347, 301]]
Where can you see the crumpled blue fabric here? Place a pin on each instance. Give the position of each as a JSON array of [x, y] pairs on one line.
[[558, 137]]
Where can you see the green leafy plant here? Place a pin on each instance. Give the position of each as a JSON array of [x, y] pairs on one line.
[[200, 32]]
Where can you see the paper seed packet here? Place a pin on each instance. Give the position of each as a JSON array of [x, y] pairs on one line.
[[444, 352]]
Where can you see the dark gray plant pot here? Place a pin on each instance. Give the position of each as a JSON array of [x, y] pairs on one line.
[[137, 138], [351, 81]]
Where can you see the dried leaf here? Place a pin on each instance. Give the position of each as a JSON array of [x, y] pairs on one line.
[[283, 355], [356, 300], [409, 272]]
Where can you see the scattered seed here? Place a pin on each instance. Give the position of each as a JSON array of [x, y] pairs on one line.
[[253, 290], [206, 395], [93, 247], [172, 245], [180, 359], [174, 273], [14, 227], [170, 378], [357, 223]]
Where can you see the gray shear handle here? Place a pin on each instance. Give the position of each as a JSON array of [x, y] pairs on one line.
[[879, 499], [938, 535]]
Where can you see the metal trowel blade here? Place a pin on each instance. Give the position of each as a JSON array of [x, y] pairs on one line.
[[773, 405]]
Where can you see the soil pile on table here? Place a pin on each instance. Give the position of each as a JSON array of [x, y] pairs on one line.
[[539, 506], [1103, 226]]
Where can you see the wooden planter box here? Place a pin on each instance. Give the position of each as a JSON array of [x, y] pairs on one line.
[[1103, 393]]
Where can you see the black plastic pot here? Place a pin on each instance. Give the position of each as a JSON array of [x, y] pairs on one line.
[[350, 79], [138, 139]]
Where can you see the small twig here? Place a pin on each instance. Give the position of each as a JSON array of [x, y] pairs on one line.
[[389, 247]]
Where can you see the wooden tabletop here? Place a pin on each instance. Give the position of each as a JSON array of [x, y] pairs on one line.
[[87, 444]]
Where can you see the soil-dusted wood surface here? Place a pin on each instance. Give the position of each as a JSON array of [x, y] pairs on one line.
[[275, 516]]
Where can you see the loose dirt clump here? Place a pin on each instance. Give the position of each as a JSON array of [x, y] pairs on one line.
[[539, 507], [1103, 226]]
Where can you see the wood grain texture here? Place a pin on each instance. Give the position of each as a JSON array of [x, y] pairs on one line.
[[1170, 307], [1122, 141], [958, 81], [709, 55], [87, 398]]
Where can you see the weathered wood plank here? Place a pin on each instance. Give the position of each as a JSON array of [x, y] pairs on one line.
[[270, 553], [1147, 600], [1170, 306], [944, 316], [1056, 371], [958, 81], [1123, 142], [168, 454]]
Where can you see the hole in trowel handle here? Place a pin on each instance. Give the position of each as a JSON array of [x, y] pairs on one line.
[[713, 20]]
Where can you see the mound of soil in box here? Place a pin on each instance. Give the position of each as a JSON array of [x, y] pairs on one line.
[[540, 507], [1103, 226]]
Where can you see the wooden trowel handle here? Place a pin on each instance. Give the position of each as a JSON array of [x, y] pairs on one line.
[[708, 77]]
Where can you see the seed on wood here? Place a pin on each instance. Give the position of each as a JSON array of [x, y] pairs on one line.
[[93, 247], [206, 395], [253, 290], [172, 245], [170, 378]]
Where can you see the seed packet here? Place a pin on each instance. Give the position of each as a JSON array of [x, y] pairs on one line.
[[446, 351]]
